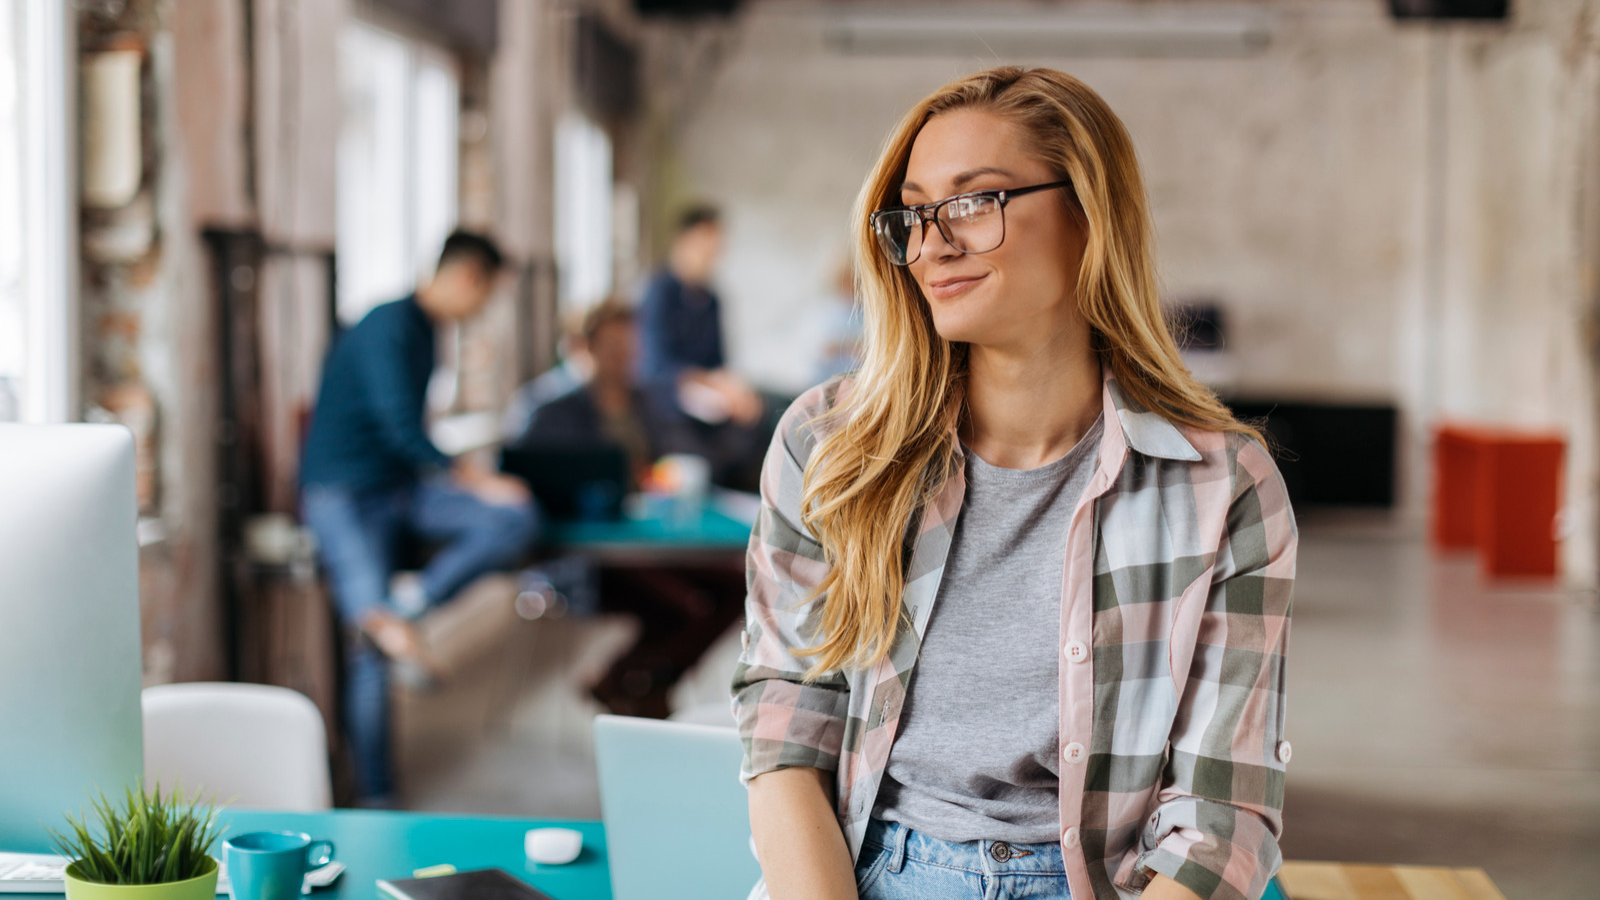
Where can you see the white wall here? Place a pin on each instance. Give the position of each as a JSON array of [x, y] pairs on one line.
[[1292, 185], [1514, 325]]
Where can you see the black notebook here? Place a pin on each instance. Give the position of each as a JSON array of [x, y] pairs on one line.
[[479, 884]]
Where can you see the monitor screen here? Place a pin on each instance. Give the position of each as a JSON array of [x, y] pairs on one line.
[[69, 625]]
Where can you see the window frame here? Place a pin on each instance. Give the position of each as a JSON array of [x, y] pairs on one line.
[[419, 252], [584, 209]]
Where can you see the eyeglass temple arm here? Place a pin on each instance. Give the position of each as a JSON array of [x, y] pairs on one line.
[[1018, 192]]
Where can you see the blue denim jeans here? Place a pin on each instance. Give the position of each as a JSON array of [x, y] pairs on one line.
[[358, 537], [897, 863]]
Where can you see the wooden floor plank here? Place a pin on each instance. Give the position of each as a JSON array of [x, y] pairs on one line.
[[1353, 881], [1376, 883], [1475, 885], [1315, 881], [1429, 883]]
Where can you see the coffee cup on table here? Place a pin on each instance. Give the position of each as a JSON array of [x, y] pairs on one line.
[[272, 865]]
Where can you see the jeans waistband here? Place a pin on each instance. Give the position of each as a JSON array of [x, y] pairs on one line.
[[983, 856]]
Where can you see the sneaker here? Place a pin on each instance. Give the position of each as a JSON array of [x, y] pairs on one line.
[[407, 596], [396, 638]]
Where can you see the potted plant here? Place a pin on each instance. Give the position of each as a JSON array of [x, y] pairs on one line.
[[144, 847]]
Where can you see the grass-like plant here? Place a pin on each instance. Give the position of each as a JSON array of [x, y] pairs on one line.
[[143, 838]]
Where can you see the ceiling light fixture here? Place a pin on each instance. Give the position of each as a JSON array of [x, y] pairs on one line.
[[1143, 30]]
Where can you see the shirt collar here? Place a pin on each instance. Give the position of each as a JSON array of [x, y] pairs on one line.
[[1145, 431], [1141, 429]]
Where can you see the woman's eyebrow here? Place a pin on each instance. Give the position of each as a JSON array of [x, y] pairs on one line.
[[971, 175], [960, 181]]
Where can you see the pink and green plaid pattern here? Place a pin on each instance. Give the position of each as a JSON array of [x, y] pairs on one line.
[[1174, 628]]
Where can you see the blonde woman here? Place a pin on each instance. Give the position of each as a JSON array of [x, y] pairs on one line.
[[1020, 587]]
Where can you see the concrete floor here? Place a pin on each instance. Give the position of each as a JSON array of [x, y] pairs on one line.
[[1440, 721], [1435, 720]]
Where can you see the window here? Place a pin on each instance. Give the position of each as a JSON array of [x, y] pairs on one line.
[[36, 231], [397, 164], [583, 211]]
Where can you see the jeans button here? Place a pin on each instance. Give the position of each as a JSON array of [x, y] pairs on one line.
[[1000, 850]]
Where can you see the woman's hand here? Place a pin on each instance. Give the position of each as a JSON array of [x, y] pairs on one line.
[[801, 849]]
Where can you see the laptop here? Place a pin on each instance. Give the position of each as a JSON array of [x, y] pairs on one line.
[[677, 818], [572, 481]]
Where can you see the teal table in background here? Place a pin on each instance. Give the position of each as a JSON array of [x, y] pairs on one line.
[[389, 845], [663, 538]]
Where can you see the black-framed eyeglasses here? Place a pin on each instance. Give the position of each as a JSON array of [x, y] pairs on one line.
[[971, 223]]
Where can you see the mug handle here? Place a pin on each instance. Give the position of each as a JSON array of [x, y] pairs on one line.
[[319, 854]]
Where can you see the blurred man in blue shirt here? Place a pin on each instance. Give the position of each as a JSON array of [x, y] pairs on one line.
[[680, 326], [683, 360], [370, 477]]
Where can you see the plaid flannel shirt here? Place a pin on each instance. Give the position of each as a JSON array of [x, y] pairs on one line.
[[1179, 567]]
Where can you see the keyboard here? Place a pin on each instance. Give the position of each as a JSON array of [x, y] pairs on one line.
[[22, 873], [39, 873]]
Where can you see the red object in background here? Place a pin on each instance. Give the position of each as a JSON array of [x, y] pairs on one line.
[[1519, 497], [1498, 492], [1455, 488]]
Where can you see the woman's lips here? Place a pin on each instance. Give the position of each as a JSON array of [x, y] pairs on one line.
[[945, 288]]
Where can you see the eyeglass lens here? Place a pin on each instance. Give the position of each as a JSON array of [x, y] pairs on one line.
[[969, 224]]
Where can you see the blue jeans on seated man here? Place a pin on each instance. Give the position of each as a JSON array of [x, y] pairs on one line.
[[897, 863], [359, 535]]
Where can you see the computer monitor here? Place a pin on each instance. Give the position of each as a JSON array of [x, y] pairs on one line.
[[69, 625]]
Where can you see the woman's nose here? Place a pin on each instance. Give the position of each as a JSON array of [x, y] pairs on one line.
[[934, 245]]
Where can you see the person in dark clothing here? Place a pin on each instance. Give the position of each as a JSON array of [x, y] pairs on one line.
[[683, 360], [681, 608], [370, 476], [680, 322], [610, 408]]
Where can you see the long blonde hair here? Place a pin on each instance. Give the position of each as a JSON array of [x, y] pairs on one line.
[[892, 443]]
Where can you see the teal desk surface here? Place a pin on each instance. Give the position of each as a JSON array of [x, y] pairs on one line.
[[374, 845], [389, 845]]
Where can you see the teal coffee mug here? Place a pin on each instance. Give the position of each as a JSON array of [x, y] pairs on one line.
[[271, 865]]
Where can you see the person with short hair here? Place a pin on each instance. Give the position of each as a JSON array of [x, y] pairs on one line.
[[681, 609], [610, 408], [683, 356], [370, 476], [680, 320]]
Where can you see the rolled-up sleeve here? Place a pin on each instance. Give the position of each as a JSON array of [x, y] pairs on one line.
[[785, 721], [1220, 812]]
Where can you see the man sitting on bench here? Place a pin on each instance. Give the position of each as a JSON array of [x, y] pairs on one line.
[[370, 476]]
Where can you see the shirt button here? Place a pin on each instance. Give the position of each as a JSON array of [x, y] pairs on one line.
[[1069, 838], [1072, 752], [1076, 651], [1284, 752]]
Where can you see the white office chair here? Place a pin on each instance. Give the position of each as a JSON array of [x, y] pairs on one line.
[[248, 745]]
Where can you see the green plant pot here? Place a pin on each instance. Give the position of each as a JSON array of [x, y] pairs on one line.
[[202, 887]]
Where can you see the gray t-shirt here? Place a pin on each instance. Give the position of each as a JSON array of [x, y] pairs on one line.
[[977, 757]]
